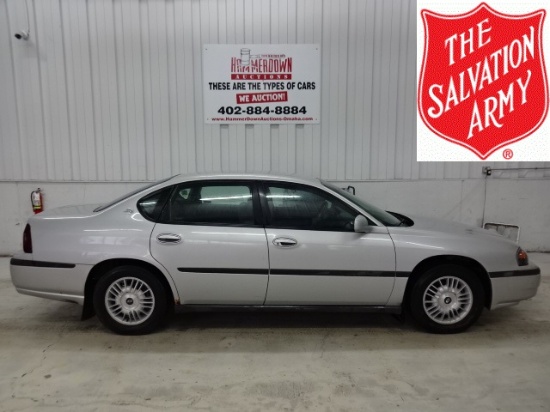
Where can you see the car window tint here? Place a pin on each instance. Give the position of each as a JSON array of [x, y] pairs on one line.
[[210, 204], [151, 205], [306, 208], [384, 217]]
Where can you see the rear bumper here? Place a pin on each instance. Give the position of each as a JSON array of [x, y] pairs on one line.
[[51, 280], [511, 287]]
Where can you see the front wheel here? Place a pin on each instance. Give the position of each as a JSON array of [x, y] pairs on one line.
[[447, 299], [130, 300]]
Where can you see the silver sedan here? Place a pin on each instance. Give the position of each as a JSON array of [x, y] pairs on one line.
[[264, 242]]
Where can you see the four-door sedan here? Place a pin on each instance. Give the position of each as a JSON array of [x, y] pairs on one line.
[[255, 241]]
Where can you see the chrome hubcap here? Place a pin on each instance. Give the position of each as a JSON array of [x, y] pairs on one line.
[[448, 300], [129, 301]]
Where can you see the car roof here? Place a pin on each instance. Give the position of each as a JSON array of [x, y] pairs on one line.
[[243, 176]]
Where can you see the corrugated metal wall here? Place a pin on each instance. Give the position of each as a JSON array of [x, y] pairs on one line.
[[110, 90]]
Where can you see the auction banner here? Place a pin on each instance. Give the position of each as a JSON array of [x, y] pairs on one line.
[[262, 83]]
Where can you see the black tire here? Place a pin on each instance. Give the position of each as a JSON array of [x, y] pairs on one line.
[[448, 309], [137, 300]]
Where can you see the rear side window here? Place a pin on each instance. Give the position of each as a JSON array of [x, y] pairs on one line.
[[151, 205], [210, 204]]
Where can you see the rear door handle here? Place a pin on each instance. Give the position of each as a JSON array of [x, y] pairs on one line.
[[285, 242], [169, 238]]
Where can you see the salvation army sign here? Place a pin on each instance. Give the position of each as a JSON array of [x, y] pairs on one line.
[[261, 83], [483, 82]]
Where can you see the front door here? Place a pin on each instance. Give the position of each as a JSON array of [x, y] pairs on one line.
[[316, 258], [211, 241]]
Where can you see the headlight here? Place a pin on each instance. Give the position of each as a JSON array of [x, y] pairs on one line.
[[521, 257]]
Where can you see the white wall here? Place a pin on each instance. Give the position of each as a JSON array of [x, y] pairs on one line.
[[110, 91]]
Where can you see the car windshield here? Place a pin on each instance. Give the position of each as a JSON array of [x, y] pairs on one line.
[[127, 195], [381, 215]]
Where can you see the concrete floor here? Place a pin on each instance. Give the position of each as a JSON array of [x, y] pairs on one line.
[[51, 360]]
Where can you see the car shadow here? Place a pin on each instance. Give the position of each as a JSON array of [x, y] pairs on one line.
[[282, 320], [286, 331]]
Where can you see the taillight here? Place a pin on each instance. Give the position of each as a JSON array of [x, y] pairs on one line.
[[27, 240], [521, 257]]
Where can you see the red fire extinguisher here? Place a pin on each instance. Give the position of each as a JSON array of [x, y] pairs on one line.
[[37, 201]]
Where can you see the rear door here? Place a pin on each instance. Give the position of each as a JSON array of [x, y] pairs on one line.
[[210, 238], [316, 258]]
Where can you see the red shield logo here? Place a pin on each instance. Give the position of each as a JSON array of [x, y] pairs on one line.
[[483, 83]]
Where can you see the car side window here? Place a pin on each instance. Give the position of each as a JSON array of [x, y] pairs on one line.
[[302, 207], [210, 204], [151, 205]]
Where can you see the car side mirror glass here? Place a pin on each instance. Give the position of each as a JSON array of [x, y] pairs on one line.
[[361, 224]]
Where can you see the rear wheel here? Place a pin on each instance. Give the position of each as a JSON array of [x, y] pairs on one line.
[[130, 300], [447, 299]]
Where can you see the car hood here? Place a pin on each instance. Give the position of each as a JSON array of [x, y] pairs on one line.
[[68, 212], [450, 228]]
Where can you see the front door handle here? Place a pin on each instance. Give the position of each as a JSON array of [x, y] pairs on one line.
[[169, 238], [285, 242]]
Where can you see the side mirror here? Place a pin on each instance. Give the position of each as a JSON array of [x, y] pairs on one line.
[[360, 224]]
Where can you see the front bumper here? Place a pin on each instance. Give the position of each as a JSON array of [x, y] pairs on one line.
[[511, 287], [50, 280]]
